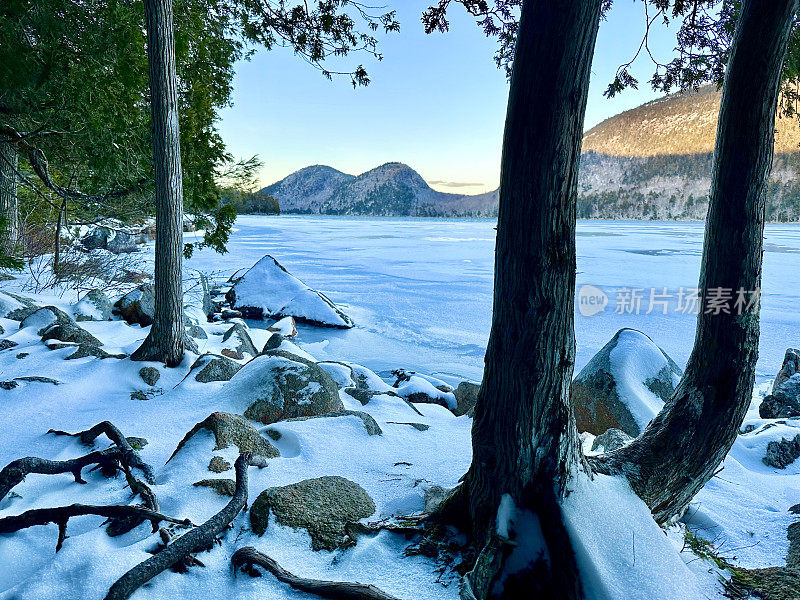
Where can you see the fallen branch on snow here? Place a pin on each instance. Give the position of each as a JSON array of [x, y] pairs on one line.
[[129, 457], [246, 558], [195, 540], [61, 514], [14, 472]]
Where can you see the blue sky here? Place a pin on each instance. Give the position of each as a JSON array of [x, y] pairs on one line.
[[436, 102]]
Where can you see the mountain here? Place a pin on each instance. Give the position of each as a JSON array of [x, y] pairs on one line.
[[390, 189], [654, 162], [651, 162]]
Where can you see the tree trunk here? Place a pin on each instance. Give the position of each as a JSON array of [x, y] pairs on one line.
[[165, 341], [680, 450], [525, 443], [9, 234]]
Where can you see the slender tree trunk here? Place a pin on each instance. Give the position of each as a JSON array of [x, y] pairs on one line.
[[524, 440], [165, 342], [62, 217], [8, 198], [680, 450]]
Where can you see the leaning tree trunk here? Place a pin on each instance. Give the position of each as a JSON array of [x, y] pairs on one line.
[[9, 232], [165, 341], [524, 440], [680, 450]]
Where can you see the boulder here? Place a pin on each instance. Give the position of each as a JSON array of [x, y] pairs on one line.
[[219, 465], [267, 290], [624, 385], [466, 394], [93, 306], [323, 506], [116, 241], [223, 487], [279, 385], [9, 304], [783, 402], [213, 367], [52, 323], [791, 366], [286, 327], [150, 375], [782, 453], [7, 344], [197, 332], [240, 341], [231, 430], [415, 388], [370, 424], [137, 306], [612, 439]]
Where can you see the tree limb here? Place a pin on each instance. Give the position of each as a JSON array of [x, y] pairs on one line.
[[333, 590], [129, 456], [61, 514], [14, 472], [193, 541]]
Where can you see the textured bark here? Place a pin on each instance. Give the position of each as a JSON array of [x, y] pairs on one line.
[[680, 450], [524, 437], [8, 198], [246, 558], [165, 342]]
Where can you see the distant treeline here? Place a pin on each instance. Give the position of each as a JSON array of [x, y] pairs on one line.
[[250, 202]]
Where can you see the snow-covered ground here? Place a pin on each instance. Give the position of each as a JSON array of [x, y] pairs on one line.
[[419, 291]]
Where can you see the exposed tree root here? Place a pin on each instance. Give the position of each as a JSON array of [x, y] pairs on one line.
[[60, 515], [130, 457], [247, 558], [197, 539], [15, 472]]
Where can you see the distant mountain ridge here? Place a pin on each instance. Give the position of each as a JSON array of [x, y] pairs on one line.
[[651, 162], [392, 189]]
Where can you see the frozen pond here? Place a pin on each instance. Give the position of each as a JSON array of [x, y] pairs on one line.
[[420, 290]]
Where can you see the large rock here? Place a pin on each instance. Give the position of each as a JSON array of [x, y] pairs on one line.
[[791, 366], [268, 290], [116, 240], [612, 439], [277, 386], [784, 401], [416, 388], [624, 385], [93, 306], [11, 304], [53, 324], [231, 430], [137, 306], [240, 342], [466, 394], [322, 506], [213, 367], [782, 453]]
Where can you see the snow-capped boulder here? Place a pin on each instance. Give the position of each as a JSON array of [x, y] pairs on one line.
[[323, 507], [286, 327], [93, 306], [213, 367], [58, 330], [239, 341], [117, 240], [416, 388], [278, 385], [231, 430], [466, 394], [137, 306], [9, 304], [624, 385], [267, 290]]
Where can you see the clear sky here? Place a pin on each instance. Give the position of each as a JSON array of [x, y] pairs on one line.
[[436, 102]]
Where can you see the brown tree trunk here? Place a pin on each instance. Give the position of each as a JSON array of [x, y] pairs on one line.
[[165, 341], [524, 440], [680, 450], [9, 235]]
